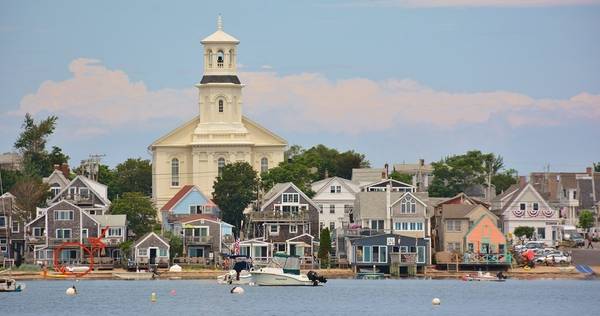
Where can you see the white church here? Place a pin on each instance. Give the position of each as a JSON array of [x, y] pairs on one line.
[[195, 152]]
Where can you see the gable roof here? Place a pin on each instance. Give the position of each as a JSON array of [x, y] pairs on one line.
[[117, 220], [367, 174], [59, 175], [197, 217], [279, 188], [181, 194], [404, 195], [463, 197], [391, 181], [326, 183], [146, 236], [510, 190], [470, 230], [517, 195], [457, 210], [94, 186]]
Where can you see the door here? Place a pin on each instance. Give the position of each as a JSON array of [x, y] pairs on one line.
[[292, 250], [152, 255]]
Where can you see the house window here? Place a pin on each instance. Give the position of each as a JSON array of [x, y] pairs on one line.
[[501, 248], [536, 206], [331, 226], [290, 208], [54, 190], [359, 254], [574, 195], [63, 233], [453, 246], [115, 232], [471, 247], [220, 106], [63, 215], [2, 221], [541, 232], [413, 226], [367, 252], [38, 231], [290, 197], [264, 164], [347, 209], [320, 208], [15, 227], [196, 209], [420, 254], [162, 252], [72, 191], [293, 229], [143, 252], [332, 209], [174, 172], [220, 166], [335, 189], [419, 226], [404, 225], [321, 226], [84, 193], [376, 224], [274, 229], [408, 205], [453, 225], [84, 233], [3, 241], [522, 206]]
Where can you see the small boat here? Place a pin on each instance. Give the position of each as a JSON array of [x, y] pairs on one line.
[[480, 276], [135, 275], [77, 269], [240, 274], [370, 276], [10, 285], [283, 270]]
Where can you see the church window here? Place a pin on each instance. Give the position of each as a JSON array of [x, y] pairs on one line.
[[220, 59], [220, 106], [231, 54], [175, 172], [221, 165], [209, 53], [264, 164]]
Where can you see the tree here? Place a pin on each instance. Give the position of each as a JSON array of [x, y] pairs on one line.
[[324, 247], [140, 211], [454, 174], [505, 179], [597, 167], [524, 231], [29, 193], [132, 175], [297, 173], [402, 177], [329, 161], [8, 178], [175, 243], [234, 190], [586, 219]]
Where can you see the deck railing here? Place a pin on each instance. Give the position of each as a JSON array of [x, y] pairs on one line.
[[198, 240], [277, 215], [487, 258]]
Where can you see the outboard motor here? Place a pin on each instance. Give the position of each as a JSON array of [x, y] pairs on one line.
[[316, 278]]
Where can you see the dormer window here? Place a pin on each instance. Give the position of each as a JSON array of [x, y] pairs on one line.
[[221, 107]]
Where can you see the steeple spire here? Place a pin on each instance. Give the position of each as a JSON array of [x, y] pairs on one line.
[[219, 23]]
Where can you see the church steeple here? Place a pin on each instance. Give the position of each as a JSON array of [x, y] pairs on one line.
[[220, 52]]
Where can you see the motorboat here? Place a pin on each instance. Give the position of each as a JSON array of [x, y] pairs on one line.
[[240, 272], [480, 276], [284, 270], [135, 275], [10, 285]]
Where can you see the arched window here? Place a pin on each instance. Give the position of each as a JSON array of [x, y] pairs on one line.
[[221, 106], [408, 205], [231, 56], [220, 59], [209, 53], [175, 172], [264, 164], [220, 165]]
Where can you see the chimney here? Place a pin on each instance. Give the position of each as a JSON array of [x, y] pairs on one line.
[[56, 167], [326, 173], [64, 168], [421, 162], [387, 171], [588, 170]]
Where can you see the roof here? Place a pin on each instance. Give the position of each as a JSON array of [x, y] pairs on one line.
[[510, 190], [147, 235], [361, 175], [111, 220], [413, 168], [59, 175], [220, 79], [220, 36], [320, 185], [279, 188], [457, 210], [99, 189], [517, 194], [177, 197], [195, 217]]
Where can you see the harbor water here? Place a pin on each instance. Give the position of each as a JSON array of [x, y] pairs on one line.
[[337, 297]]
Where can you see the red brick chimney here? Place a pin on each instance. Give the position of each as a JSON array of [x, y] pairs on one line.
[[65, 169]]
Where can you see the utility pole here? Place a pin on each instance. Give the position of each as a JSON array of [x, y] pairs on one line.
[[91, 165]]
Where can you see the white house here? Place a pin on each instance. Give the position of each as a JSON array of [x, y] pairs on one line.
[[335, 197], [526, 207]]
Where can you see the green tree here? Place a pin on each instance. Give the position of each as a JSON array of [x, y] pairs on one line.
[[454, 174], [526, 231], [597, 167], [8, 178], [402, 177], [29, 193], [330, 162], [234, 190], [586, 219], [297, 173], [175, 243], [141, 212], [503, 180], [324, 247], [132, 175]]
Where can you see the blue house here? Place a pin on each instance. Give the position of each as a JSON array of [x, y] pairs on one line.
[[188, 201], [390, 254]]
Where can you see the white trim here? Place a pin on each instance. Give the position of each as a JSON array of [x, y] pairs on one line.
[[282, 190], [150, 234], [412, 195]]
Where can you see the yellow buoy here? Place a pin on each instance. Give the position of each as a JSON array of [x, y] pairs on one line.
[[436, 301], [153, 297]]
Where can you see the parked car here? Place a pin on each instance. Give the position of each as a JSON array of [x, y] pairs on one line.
[[553, 258], [530, 245]]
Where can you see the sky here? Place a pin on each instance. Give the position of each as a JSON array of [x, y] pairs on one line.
[[397, 80]]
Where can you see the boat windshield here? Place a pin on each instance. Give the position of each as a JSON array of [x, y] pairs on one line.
[[290, 264]]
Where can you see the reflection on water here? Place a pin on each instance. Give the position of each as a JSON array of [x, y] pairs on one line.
[[337, 297]]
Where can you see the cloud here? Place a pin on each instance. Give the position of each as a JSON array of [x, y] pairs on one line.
[[473, 3], [96, 100], [267, 67], [311, 101], [99, 97]]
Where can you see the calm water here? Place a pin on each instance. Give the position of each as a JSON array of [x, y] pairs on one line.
[[338, 297]]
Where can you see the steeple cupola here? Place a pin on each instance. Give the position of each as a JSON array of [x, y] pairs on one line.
[[220, 51]]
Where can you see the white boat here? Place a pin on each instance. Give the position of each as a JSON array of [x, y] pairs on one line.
[[77, 269], [480, 276], [285, 270], [135, 275], [10, 285], [242, 265]]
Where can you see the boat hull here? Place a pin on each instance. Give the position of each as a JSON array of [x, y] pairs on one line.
[[266, 278], [230, 278], [135, 276]]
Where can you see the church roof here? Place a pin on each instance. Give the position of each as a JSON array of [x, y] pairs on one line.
[[219, 36], [220, 79]]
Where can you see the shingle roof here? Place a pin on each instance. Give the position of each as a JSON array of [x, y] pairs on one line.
[[111, 220], [456, 210], [175, 199], [413, 168], [367, 174]]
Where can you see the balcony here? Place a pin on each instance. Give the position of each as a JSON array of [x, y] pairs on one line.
[[279, 216], [198, 240], [58, 241], [482, 258], [228, 239], [404, 258], [113, 241], [35, 240]]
